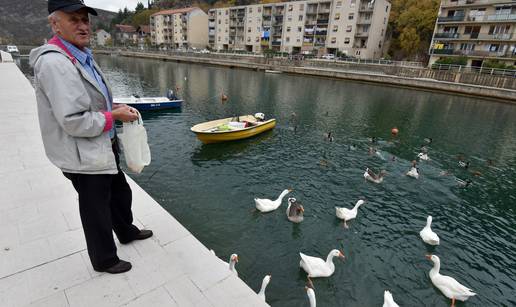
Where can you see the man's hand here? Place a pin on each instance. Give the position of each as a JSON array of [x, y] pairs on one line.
[[125, 114]]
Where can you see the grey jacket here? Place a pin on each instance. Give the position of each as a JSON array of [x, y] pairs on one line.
[[70, 110]]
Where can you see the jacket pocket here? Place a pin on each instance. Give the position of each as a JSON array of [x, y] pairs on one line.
[[92, 152]]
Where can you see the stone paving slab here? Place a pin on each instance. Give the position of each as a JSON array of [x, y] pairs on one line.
[[43, 257]]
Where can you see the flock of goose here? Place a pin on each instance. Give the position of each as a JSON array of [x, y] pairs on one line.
[[319, 268]]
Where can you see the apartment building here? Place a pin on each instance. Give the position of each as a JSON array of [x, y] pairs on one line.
[[179, 28], [354, 27], [477, 29]]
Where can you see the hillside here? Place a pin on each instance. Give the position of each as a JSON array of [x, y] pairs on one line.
[[24, 22]]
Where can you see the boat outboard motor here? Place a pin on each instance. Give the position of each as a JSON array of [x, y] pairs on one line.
[[259, 116]]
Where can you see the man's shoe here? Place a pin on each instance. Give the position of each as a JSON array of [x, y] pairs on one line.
[[120, 267], [142, 235]]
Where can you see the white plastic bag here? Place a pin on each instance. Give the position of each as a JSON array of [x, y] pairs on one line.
[[134, 142]]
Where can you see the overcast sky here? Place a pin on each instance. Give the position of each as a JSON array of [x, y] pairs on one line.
[[114, 5]]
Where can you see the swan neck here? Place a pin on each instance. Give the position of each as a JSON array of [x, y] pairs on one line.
[[282, 195], [262, 289], [329, 259], [231, 265], [311, 298], [435, 270]]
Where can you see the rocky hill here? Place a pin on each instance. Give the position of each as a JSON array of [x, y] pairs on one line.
[[24, 22]]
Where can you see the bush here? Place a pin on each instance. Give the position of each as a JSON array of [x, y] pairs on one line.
[[496, 64], [462, 60]]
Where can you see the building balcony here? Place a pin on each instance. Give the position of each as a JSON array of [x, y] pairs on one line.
[[441, 51], [311, 12], [362, 21], [320, 43], [361, 34], [451, 18], [446, 35], [276, 43], [448, 3], [310, 22], [321, 33], [322, 21], [366, 9], [211, 24], [211, 33]]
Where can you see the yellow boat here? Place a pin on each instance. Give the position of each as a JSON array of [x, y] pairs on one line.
[[231, 129]]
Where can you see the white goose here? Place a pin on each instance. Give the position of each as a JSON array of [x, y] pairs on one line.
[[369, 175], [451, 288], [428, 236], [388, 300], [414, 171], [347, 214], [265, 282], [423, 156], [267, 205], [317, 267], [233, 260]]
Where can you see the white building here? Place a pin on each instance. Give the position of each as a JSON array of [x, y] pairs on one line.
[[187, 27], [100, 37], [353, 27]]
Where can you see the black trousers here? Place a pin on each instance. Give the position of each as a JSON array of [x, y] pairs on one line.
[[104, 205]]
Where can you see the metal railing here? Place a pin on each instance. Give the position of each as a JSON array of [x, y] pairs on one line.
[[469, 2], [474, 69], [451, 18]]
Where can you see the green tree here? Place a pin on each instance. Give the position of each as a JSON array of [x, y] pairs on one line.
[[142, 18], [408, 17], [139, 7]]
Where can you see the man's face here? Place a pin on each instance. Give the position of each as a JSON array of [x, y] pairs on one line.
[[74, 27]]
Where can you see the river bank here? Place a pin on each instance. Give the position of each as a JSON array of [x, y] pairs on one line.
[[499, 88]]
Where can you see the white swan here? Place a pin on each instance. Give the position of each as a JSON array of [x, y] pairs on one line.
[[428, 236], [369, 175], [414, 171], [267, 205], [317, 267], [388, 300], [451, 288], [311, 294], [347, 214], [265, 282], [423, 156]]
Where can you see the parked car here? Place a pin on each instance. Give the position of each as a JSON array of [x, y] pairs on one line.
[[12, 49], [329, 56], [205, 51]]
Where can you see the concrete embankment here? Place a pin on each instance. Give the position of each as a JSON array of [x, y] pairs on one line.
[[43, 257], [392, 76]]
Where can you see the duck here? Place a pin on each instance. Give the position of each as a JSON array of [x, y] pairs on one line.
[[317, 267], [369, 175], [414, 170], [464, 164], [352, 147], [428, 236], [388, 300], [295, 211], [265, 282], [267, 205], [450, 287], [328, 136], [223, 97], [348, 214], [463, 183], [310, 293], [423, 156], [428, 140]]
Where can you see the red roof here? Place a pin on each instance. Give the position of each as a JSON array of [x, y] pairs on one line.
[[175, 11], [144, 28], [126, 28]]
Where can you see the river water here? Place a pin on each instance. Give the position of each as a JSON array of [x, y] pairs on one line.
[[210, 188]]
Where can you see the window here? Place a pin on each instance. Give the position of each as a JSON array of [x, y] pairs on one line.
[[381, 33], [248, 39], [357, 52], [352, 4], [287, 39], [494, 47], [384, 20], [218, 39], [220, 13], [467, 47], [226, 30], [290, 7], [301, 6], [289, 18], [337, 16], [386, 8], [220, 21], [335, 28], [333, 40], [226, 21], [257, 39], [250, 10], [351, 16], [346, 40], [300, 17], [249, 29], [349, 28], [288, 29], [259, 9], [227, 12], [467, 29], [298, 40], [339, 4], [299, 29]]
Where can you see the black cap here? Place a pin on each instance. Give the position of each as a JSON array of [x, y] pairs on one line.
[[68, 6]]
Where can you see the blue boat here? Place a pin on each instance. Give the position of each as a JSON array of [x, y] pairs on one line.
[[151, 103]]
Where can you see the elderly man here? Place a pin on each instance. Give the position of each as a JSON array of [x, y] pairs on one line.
[[76, 118]]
